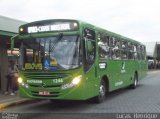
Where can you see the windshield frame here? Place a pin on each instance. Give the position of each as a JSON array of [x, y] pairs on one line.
[[59, 37]]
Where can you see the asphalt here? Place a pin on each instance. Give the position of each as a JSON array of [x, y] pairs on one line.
[[9, 100]]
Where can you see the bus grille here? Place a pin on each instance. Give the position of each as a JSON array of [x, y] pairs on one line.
[[45, 76], [45, 86]]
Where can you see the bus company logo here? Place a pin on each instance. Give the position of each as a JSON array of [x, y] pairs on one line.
[[119, 83], [34, 81], [123, 68]]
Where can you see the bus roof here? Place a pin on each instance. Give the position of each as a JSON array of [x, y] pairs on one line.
[[110, 33], [49, 21]]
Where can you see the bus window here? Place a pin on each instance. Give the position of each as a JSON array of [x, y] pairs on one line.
[[130, 51], [142, 52], [139, 52], [112, 41], [116, 54], [103, 44], [115, 50], [124, 50], [135, 51]]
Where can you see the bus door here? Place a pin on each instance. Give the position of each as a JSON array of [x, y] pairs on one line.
[[89, 46]]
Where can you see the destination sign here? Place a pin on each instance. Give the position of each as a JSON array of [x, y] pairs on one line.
[[49, 26], [56, 27]]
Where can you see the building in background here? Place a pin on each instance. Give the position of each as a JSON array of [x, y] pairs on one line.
[[153, 54], [8, 28]]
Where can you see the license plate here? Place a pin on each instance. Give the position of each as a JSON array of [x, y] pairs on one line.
[[44, 93]]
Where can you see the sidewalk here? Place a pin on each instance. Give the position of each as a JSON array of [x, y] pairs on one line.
[[8, 100], [153, 71]]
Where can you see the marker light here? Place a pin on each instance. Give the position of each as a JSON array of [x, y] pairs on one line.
[[21, 29], [20, 80], [75, 24]]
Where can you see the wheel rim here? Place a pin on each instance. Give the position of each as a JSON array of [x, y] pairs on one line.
[[135, 82], [102, 90]]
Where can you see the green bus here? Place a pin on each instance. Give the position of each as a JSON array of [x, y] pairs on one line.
[[65, 59]]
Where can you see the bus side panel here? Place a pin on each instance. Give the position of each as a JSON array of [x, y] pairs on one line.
[[112, 71], [131, 67]]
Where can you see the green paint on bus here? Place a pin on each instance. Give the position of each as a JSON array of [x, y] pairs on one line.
[[73, 60]]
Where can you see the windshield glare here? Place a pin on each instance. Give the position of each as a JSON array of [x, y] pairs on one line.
[[50, 53]]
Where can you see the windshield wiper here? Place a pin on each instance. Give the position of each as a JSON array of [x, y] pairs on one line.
[[51, 46]]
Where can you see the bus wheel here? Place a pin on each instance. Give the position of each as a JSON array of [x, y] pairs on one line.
[[134, 85], [102, 93]]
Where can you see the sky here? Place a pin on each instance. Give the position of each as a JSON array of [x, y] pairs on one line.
[[136, 19]]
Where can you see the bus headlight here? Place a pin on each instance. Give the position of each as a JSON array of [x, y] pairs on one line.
[[20, 80], [74, 82]]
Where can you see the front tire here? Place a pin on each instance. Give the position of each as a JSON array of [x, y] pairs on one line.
[[102, 92]]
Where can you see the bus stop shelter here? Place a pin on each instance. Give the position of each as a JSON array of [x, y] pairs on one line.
[[8, 28]]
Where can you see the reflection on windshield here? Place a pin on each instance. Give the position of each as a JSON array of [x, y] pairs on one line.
[[51, 53]]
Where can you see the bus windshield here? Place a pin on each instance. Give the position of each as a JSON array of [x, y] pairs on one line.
[[50, 53]]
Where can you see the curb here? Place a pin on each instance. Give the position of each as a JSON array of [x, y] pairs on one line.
[[9, 104], [153, 71]]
